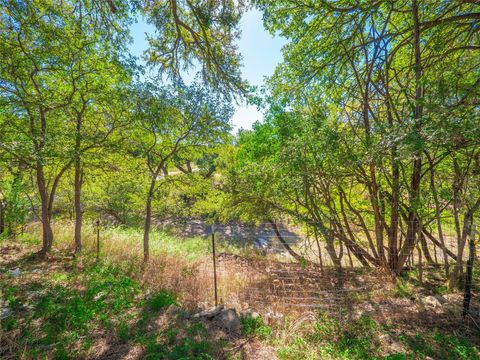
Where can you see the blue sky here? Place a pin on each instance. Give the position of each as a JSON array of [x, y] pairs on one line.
[[261, 53]]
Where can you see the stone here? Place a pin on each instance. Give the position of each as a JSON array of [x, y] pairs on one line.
[[432, 301], [260, 243], [249, 313], [230, 321], [441, 299], [14, 273], [5, 312], [210, 313]]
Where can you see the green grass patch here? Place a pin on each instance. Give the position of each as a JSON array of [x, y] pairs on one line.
[[436, 345], [255, 327], [330, 339], [161, 300]]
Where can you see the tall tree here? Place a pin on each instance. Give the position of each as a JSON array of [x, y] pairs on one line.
[[172, 123]]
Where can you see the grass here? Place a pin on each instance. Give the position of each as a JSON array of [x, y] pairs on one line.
[[255, 327], [329, 338], [63, 314]]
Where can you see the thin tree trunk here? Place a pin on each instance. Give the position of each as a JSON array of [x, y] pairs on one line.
[[284, 243], [437, 215], [2, 217], [148, 220], [78, 206], [319, 248], [412, 219], [466, 231], [426, 252], [336, 260], [47, 233], [78, 179]]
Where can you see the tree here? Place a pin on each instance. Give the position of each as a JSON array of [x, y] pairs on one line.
[[366, 75], [171, 123], [54, 57]]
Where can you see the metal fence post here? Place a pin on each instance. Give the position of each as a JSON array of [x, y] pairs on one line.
[[214, 265]]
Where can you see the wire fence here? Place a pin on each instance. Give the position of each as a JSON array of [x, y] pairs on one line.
[[256, 268]]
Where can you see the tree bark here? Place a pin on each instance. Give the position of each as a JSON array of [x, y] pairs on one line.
[[455, 278], [2, 217], [148, 221], [284, 243], [437, 214], [47, 233], [78, 206], [78, 184], [412, 219]]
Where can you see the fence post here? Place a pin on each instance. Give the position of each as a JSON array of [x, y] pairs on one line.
[[98, 238], [467, 296], [214, 265]]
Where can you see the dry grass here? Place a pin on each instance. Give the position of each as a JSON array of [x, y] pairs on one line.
[[183, 266]]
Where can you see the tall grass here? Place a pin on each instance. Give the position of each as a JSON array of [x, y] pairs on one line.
[[180, 265]]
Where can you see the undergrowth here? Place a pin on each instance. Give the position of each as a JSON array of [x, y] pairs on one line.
[[329, 338], [64, 314]]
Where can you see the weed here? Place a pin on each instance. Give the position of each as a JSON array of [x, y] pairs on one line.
[[162, 299], [255, 327], [328, 338], [402, 289]]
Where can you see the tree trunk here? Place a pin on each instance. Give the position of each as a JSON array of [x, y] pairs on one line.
[[146, 229], [437, 215], [319, 248], [2, 217], [78, 206], [284, 243], [455, 278], [426, 252], [412, 219], [78, 183], [148, 218], [47, 233]]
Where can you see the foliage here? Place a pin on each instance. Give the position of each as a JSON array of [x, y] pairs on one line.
[[161, 299], [331, 339], [255, 326]]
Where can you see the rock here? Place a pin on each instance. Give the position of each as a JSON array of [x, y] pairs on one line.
[[441, 299], [15, 273], [273, 318], [210, 313], [230, 321], [260, 243], [249, 313], [432, 301], [5, 312]]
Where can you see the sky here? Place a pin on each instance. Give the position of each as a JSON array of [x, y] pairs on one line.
[[260, 51]]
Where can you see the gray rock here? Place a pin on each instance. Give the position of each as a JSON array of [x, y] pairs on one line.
[[432, 301], [210, 313], [5, 312], [249, 313], [230, 321], [441, 299], [14, 273], [260, 243]]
